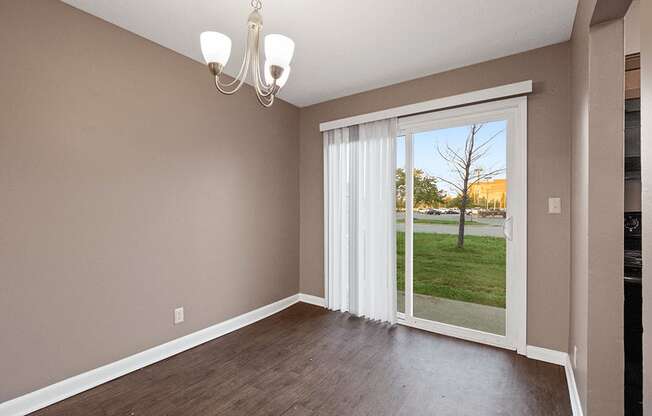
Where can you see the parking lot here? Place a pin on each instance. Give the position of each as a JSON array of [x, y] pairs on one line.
[[481, 226]]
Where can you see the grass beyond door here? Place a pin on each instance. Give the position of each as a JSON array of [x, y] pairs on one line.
[[475, 273]]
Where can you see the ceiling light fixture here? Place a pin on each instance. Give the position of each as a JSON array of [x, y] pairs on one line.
[[216, 48]]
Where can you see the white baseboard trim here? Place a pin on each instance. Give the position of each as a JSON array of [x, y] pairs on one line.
[[54, 393], [576, 403], [313, 300], [563, 359], [544, 354], [74, 385]]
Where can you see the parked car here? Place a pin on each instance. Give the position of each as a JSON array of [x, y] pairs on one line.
[[433, 211], [493, 213]]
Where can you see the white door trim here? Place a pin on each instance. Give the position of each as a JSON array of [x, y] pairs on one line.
[[453, 331], [409, 226], [514, 110]]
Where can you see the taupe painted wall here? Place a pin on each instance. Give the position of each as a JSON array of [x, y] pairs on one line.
[[129, 187], [633, 28], [646, 166], [606, 206], [580, 203], [548, 173], [598, 203]]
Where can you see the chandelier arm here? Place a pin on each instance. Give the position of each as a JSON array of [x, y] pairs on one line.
[[223, 87], [242, 74], [261, 87], [267, 94], [267, 99], [240, 79], [265, 103], [264, 90], [224, 91]]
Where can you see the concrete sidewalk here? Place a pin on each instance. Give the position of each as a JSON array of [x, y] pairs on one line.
[[454, 312]]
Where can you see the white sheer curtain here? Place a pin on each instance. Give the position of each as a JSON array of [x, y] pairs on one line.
[[360, 238]]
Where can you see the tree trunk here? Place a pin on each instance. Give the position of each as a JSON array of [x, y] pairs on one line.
[[460, 232]]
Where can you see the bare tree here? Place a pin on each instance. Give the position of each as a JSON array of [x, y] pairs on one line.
[[465, 164]]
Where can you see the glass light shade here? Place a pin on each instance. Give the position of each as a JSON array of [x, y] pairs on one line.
[[279, 50], [216, 47], [268, 75]]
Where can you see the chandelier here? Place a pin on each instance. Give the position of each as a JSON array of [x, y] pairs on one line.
[[216, 48]]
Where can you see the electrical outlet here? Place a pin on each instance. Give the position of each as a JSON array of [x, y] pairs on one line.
[[575, 356], [178, 315]]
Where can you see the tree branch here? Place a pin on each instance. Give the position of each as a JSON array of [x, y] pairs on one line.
[[453, 184], [487, 175]]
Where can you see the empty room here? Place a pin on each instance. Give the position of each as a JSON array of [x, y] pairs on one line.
[[333, 208]]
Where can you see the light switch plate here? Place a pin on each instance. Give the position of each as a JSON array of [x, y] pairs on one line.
[[178, 315], [554, 205]]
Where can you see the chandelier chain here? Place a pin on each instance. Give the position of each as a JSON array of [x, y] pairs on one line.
[[257, 4]]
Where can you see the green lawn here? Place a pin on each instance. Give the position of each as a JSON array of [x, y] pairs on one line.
[[443, 221], [475, 273]]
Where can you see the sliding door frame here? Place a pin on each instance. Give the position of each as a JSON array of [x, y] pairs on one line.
[[409, 224], [514, 111]]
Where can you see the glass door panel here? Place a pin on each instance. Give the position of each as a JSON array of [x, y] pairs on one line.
[[459, 192]]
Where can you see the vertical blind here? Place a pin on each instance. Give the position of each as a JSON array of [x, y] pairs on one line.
[[360, 244]]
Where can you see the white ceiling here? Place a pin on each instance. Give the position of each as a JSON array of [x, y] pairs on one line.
[[348, 46]]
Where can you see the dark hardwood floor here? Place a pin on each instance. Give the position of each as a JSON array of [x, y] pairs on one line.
[[309, 361]]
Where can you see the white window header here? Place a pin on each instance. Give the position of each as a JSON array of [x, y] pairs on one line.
[[502, 91]]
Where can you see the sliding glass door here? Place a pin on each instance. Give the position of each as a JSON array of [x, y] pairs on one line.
[[460, 221]]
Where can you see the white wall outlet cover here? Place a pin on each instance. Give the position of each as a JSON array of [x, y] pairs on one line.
[[554, 205], [178, 315]]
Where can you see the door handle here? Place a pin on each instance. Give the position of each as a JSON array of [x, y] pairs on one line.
[[508, 228]]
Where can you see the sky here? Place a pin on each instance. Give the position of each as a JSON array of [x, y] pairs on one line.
[[427, 158]]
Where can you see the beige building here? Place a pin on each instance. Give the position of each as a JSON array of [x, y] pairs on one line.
[[491, 193]]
